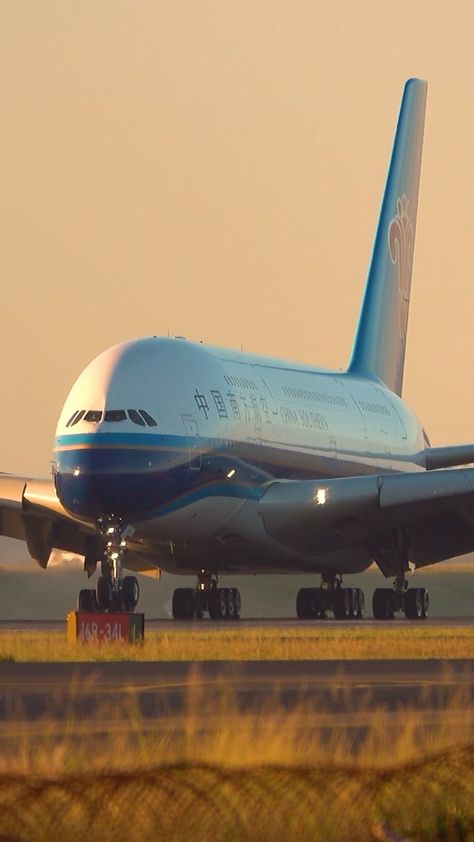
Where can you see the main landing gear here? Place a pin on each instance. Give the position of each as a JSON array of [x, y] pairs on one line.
[[414, 602], [114, 592], [206, 597], [345, 603]]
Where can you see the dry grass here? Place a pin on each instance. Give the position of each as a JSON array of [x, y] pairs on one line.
[[218, 772], [243, 644], [332, 724]]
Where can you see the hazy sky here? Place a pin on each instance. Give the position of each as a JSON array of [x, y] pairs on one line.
[[215, 168]]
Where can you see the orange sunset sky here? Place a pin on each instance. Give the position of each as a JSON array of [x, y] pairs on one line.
[[215, 169]]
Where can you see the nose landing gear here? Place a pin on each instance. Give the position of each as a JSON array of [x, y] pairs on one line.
[[114, 592]]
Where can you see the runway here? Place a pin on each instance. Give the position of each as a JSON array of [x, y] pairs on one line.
[[164, 688], [155, 624]]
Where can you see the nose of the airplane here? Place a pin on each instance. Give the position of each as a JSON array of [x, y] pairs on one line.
[[125, 483], [93, 484]]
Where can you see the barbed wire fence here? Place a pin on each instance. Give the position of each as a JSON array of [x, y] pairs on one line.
[[429, 800]]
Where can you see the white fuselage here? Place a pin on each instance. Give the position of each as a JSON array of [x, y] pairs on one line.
[[227, 424]]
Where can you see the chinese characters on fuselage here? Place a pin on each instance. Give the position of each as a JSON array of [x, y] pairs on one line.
[[255, 410]]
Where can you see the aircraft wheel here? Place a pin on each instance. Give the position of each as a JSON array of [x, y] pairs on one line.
[[359, 603], [104, 593], [199, 603], [382, 604], [218, 603], [417, 602], [353, 602], [182, 606], [237, 603], [130, 593], [304, 609], [230, 604], [318, 603], [86, 601], [342, 603]]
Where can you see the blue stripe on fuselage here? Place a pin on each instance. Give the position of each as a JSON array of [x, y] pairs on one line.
[[100, 474], [127, 440]]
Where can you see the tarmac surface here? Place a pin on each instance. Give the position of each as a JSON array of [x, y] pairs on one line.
[[155, 624], [164, 688]]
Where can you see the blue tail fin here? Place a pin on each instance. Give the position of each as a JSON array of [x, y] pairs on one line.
[[379, 348]]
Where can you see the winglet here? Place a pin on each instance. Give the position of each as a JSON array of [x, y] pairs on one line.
[[380, 342]]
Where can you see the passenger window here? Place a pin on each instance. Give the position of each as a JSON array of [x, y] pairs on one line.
[[72, 418], [114, 415], [149, 420], [135, 417], [94, 416], [78, 417]]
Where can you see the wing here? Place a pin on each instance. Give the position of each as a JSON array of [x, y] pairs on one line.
[[435, 511], [30, 510]]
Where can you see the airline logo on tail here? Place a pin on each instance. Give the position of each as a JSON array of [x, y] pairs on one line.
[[400, 246], [380, 343]]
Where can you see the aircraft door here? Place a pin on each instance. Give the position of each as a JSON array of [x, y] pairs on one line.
[[192, 435]]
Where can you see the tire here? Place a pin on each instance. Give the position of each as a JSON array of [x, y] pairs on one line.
[[417, 601], [342, 603], [104, 593], [86, 601], [319, 603], [352, 599], [237, 603], [199, 604], [218, 604], [426, 603], [304, 601], [382, 604], [359, 604], [130, 593], [230, 604], [182, 606]]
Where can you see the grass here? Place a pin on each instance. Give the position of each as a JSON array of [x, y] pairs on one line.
[[216, 728], [241, 643], [220, 772]]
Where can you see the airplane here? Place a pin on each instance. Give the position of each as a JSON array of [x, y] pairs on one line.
[[177, 456]]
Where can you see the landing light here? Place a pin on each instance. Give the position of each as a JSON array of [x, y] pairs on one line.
[[321, 496], [76, 472], [231, 473]]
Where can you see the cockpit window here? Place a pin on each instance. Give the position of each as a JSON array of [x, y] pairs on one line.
[[148, 418], [78, 417], [115, 415], [93, 415], [135, 417], [72, 418]]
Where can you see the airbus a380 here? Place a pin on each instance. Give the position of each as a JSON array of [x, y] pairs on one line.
[[205, 461]]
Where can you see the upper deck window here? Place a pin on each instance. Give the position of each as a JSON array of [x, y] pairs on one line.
[[135, 417], [94, 415], [78, 417], [148, 418], [114, 415]]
